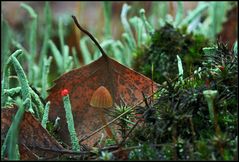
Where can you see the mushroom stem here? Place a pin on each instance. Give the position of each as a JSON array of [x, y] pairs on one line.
[[107, 128]]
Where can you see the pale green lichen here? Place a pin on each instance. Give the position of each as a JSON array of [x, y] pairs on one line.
[[39, 107], [45, 115], [47, 31], [70, 123], [179, 14], [13, 91], [210, 95], [10, 143], [126, 25], [45, 72], [139, 27], [107, 15], [32, 40], [5, 80], [180, 68], [147, 26], [25, 89]]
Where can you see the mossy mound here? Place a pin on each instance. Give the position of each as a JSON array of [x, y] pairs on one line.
[[166, 44], [182, 128]]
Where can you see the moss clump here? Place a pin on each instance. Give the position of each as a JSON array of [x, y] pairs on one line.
[[183, 129], [166, 44]]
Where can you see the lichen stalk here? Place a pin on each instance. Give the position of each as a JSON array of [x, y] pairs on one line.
[[70, 123]]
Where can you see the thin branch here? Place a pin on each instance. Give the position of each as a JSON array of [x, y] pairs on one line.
[[70, 151], [91, 36], [127, 135]]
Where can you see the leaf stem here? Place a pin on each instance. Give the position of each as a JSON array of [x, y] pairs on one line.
[[92, 38]]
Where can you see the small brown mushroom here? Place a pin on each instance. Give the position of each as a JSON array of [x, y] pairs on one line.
[[101, 99]]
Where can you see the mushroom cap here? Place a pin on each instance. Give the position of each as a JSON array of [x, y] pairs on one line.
[[101, 98]]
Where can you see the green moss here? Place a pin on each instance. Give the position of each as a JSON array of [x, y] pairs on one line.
[[146, 152], [166, 44], [183, 125]]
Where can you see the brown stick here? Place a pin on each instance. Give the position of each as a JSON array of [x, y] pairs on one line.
[[91, 36]]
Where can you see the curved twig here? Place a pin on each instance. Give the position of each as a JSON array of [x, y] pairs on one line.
[[91, 36]]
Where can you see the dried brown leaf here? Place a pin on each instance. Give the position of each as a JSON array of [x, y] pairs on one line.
[[124, 84], [32, 135]]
